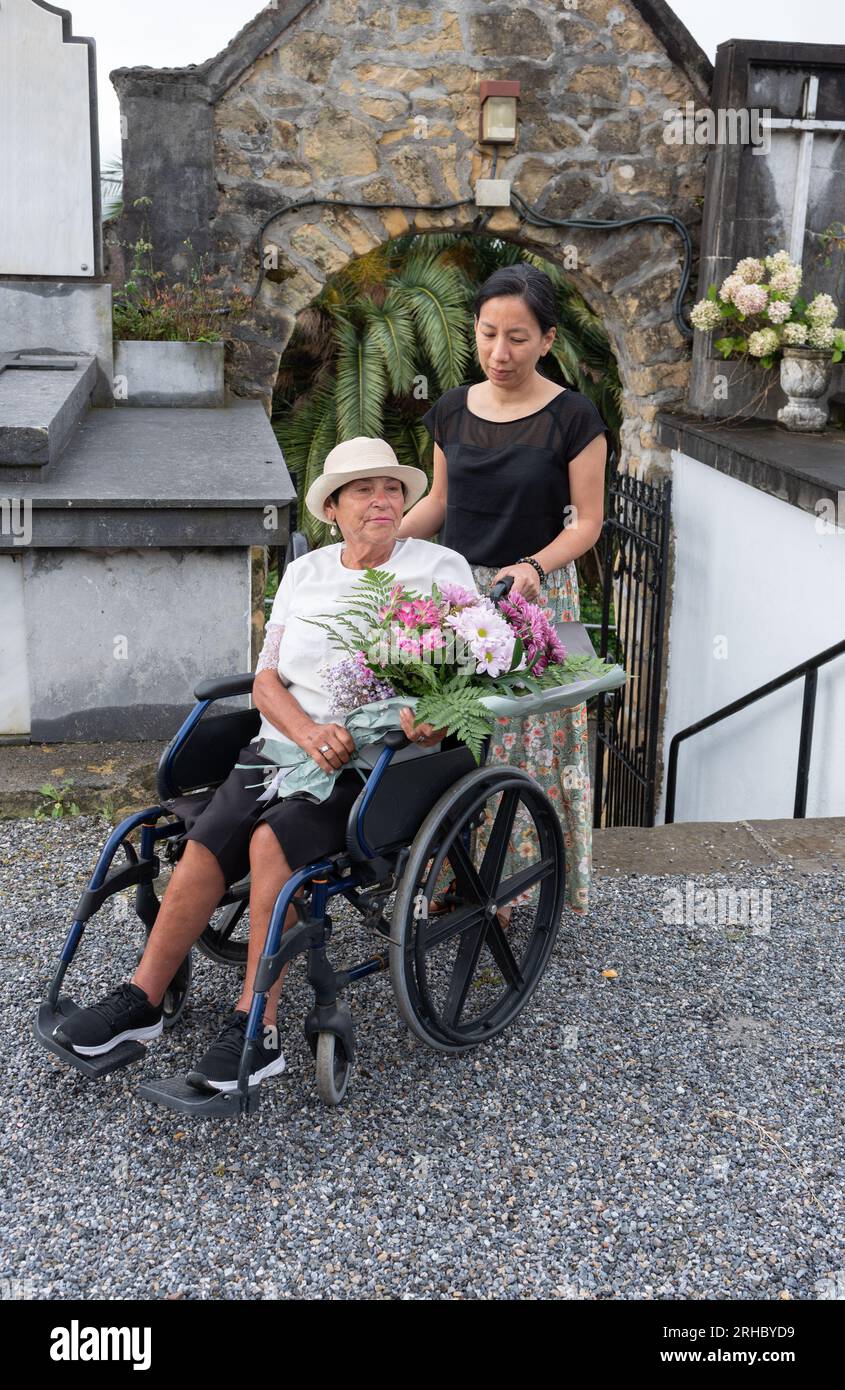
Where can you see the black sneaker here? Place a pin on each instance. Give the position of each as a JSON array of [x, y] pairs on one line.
[[124, 1015], [218, 1069]]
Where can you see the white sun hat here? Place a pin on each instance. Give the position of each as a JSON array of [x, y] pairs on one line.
[[362, 458]]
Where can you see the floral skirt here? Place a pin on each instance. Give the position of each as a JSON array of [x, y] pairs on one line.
[[553, 748]]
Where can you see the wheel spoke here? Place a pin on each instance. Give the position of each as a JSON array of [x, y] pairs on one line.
[[525, 879], [465, 962], [466, 874], [497, 845], [439, 929], [502, 954]]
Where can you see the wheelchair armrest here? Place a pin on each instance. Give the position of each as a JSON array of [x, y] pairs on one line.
[[220, 687]]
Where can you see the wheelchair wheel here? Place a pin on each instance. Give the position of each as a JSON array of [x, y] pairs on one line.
[[226, 937], [461, 977], [333, 1069]]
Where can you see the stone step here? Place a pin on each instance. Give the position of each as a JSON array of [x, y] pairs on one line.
[[117, 778], [39, 409]]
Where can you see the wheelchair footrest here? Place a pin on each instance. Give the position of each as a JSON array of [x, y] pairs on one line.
[[175, 1093], [120, 1056]]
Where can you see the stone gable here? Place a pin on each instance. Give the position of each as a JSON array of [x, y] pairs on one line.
[[378, 104]]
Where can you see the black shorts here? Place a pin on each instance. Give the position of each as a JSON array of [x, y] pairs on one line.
[[306, 830]]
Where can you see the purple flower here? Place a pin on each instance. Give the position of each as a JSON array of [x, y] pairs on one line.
[[538, 635], [350, 683], [456, 596]]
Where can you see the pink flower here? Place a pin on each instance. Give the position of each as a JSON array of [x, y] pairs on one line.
[[456, 596], [406, 615]]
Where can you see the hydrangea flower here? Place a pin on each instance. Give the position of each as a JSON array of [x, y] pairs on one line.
[[821, 336], [779, 261], [705, 315], [750, 299], [822, 310], [728, 286], [764, 341], [795, 334], [787, 281], [750, 270], [779, 311]]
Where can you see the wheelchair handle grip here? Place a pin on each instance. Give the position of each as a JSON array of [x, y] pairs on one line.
[[502, 588], [395, 739]]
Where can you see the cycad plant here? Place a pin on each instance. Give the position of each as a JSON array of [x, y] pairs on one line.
[[392, 332]]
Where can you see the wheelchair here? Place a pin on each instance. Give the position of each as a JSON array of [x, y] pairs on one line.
[[459, 976]]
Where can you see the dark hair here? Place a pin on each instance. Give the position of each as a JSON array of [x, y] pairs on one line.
[[338, 490], [532, 285]]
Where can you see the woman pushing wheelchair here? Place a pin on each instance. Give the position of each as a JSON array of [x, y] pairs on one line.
[[363, 492]]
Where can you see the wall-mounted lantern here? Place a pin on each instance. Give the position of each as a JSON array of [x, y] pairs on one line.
[[497, 119]]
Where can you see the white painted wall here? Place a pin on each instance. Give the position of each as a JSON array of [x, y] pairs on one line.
[[14, 676], [46, 208], [758, 573]]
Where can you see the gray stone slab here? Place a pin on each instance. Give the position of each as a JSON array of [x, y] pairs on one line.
[[70, 317], [155, 476], [802, 469], [168, 374], [117, 642], [39, 408], [814, 845]]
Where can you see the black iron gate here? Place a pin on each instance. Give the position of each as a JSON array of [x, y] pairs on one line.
[[635, 550]]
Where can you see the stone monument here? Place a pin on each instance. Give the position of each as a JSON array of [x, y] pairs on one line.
[[127, 536]]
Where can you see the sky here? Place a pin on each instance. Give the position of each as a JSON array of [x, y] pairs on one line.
[[173, 33]]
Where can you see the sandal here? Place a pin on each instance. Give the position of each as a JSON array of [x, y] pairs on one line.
[[447, 901]]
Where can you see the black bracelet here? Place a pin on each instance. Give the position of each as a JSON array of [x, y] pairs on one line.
[[529, 560]]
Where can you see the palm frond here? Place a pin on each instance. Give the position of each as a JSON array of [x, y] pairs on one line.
[[391, 327], [434, 295], [360, 382]]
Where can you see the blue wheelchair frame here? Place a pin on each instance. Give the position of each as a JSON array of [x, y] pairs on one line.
[[329, 877]]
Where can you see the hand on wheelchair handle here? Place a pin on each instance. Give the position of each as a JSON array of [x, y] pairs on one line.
[[501, 588], [425, 735], [525, 583]]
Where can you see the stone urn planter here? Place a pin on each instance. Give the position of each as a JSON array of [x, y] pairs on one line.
[[168, 373], [804, 377]]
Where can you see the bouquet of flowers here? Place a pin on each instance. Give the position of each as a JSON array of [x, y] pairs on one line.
[[444, 652], [762, 312]]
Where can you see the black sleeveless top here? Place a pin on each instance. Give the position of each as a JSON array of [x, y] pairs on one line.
[[508, 481]]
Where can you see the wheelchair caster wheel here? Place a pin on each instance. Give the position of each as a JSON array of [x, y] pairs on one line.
[[333, 1069]]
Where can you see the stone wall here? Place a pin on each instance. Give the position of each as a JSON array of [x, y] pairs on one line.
[[378, 103]]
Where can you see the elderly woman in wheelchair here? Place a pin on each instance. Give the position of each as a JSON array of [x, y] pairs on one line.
[[363, 491], [414, 812]]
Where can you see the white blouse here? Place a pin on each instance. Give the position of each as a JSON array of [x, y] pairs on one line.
[[319, 583]]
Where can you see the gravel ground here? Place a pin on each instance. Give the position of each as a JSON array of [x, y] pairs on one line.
[[673, 1132]]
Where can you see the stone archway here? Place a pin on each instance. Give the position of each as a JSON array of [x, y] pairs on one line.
[[371, 103]]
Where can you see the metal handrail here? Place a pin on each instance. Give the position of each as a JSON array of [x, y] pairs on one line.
[[809, 670]]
